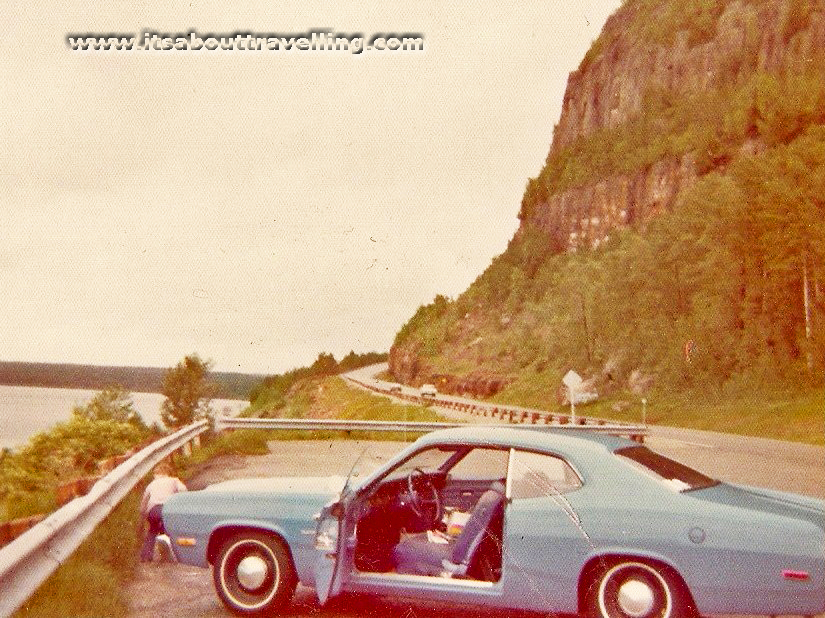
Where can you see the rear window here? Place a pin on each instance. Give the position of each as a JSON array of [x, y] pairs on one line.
[[536, 475], [674, 474], [481, 464]]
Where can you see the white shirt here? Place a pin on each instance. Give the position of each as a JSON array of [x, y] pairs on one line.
[[159, 491]]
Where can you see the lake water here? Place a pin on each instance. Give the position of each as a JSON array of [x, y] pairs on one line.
[[26, 410]]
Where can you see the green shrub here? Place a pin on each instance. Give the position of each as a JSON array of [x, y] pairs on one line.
[[21, 503], [70, 450]]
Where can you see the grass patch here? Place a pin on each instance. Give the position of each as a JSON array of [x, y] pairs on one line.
[[25, 503], [332, 398], [329, 397], [347, 403], [337, 400], [792, 416], [238, 442], [91, 583], [782, 415]]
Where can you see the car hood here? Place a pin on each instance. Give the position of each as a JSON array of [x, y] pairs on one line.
[[781, 503], [326, 485]]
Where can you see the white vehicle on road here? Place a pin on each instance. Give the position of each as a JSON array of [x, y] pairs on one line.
[[428, 390]]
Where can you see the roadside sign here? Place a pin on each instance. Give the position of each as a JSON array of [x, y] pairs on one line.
[[572, 380]]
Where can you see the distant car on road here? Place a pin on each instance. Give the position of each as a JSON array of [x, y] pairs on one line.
[[428, 390], [535, 519], [395, 388]]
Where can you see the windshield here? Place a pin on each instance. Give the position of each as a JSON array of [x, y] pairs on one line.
[[429, 460], [675, 475], [369, 460]]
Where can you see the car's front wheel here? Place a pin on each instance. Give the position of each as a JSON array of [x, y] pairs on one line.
[[636, 590], [253, 574]]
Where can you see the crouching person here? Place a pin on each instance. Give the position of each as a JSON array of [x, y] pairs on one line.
[[158, 491]]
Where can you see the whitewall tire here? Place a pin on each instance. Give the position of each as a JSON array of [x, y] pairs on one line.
[[635, 589], [253, 574]]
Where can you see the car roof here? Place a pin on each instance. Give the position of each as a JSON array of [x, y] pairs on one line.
[[538, 438]]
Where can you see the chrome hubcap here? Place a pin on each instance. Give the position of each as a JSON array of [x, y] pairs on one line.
[[635, 598], [252, 572]]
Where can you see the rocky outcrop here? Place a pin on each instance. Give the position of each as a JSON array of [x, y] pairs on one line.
[[608, 91], [585, 216], [405, 362]]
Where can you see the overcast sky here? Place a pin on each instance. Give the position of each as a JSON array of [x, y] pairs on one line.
[[258, 208]]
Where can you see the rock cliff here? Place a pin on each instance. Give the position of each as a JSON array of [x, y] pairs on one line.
[[672, 96], [630, 61]]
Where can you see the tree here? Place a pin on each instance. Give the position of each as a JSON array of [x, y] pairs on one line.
[[324, 365], [111, 404], [188, 392]]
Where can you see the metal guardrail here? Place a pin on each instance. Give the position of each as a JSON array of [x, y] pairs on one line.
[[231, 422], [26, 562], [508, 413]]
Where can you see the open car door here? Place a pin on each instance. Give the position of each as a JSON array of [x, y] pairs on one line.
[[333, 550], [329, 538]]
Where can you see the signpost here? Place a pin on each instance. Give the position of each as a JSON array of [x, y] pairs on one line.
[[572, 381]]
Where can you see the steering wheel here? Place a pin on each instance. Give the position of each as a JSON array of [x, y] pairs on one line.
[[424, 498]]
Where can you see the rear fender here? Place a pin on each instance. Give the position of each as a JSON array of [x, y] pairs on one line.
[[606, 556]]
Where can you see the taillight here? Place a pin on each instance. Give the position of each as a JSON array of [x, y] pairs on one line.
[[797, 575]]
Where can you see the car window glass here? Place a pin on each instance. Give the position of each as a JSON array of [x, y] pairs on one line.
[[481, 464], [534, 475], [429, 460], [675, 475], [365, 465]]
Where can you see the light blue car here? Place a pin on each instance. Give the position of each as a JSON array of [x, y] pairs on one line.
[[533, 519]]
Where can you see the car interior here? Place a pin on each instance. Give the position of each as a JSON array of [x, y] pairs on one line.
[[438, 514]]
